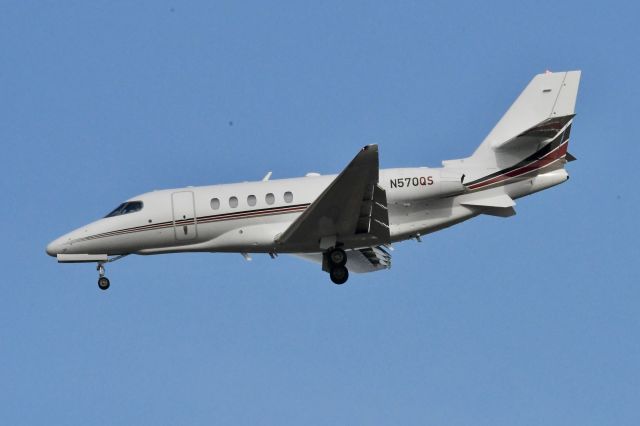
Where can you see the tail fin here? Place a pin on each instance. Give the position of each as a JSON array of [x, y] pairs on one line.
[[543, 110]]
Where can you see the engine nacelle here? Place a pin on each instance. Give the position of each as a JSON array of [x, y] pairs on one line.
[[549, 179], [421, 183]]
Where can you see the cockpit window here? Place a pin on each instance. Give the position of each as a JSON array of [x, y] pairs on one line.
[[124, 208]]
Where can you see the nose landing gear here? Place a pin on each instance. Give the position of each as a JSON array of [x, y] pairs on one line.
[[103, 282]]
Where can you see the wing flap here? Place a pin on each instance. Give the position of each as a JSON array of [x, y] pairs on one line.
[[374, 215], [368, 259]]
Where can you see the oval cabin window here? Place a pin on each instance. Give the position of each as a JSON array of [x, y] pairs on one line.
[[233, 202], [215, 203], [251, 200], [270, 198], [288, 197]]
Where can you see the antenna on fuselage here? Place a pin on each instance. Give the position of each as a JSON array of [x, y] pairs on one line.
[[266, 177]]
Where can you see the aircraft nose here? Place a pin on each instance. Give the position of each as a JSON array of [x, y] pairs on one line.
[[54, 247]]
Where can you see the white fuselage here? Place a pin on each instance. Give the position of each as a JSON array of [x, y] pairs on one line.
[[248, 217], [346, 222]]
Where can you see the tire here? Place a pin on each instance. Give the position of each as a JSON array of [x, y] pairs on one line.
[[103, 283], [339, 275], [338, 257]]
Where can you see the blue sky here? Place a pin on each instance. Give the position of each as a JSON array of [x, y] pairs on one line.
[[528, 320]]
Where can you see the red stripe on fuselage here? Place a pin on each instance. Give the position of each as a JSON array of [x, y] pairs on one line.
[[550, 157]]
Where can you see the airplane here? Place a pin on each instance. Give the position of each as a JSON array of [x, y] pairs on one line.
[[349, 221]]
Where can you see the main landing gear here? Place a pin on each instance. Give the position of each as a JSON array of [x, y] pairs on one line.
[[103, 282], [336, 259]]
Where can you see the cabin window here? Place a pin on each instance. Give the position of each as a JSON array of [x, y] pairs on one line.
[[288, 197], [251, 200], [215, 203], [126, 208], [270, 198], [233, 202]]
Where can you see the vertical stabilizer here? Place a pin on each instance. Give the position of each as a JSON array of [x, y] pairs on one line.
[[547, 103]]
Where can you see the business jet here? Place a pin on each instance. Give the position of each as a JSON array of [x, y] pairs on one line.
[[346, 222]]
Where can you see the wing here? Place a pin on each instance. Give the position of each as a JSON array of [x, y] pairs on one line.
[[351, 212], [368, 259]]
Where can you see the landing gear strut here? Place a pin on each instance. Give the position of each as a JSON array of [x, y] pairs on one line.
[[336, 260], [103, 282]]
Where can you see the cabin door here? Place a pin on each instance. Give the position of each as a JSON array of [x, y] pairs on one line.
[[184, 215]]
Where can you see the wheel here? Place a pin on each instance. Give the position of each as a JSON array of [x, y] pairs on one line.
[[338, 257], [103, 283], [339, 275]]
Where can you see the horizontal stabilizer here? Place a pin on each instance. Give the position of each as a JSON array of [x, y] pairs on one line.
[[499, 211], [496, 201], [536, 135]]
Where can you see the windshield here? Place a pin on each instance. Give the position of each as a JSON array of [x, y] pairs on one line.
[[124, 208]]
